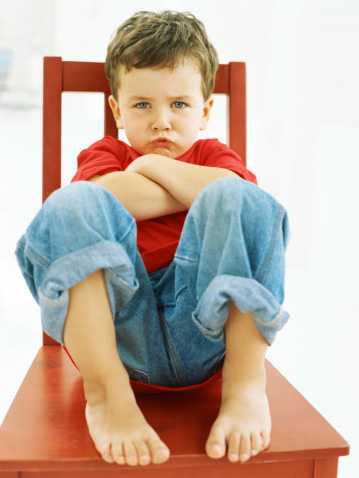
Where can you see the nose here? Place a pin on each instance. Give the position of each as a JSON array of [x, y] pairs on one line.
[[161, 120]]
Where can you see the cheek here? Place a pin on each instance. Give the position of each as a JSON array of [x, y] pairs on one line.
[[187, 120], [135, 123], [133, 117]]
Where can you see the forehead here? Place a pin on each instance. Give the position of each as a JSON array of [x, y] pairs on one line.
[[143, 83]]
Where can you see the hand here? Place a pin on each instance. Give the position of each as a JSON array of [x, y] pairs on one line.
[[139, 163]]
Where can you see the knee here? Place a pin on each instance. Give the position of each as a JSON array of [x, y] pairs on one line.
[[86, 206], [72, 195], [232, 195], [84, 199], [224, 194]]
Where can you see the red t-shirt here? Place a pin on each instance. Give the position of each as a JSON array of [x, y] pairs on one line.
[[157, 238]]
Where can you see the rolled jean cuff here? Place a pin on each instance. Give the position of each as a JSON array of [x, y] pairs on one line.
[[249, 296], [71, 269]]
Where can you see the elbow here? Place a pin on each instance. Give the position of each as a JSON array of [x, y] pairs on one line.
[[94, 178], [232, 174]]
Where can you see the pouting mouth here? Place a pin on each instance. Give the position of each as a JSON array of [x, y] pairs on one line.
[[161, 140]]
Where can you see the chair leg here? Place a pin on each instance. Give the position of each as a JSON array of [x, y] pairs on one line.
[[327, 468]]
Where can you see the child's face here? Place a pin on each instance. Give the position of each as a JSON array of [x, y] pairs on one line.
[[177, 119]]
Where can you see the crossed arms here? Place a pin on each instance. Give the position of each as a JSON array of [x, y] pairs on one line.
[[154, 185]]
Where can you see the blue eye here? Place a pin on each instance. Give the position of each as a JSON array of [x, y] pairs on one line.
[[141, 103], [182, 103]]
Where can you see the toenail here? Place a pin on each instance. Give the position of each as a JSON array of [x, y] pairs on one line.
[[244, 457]]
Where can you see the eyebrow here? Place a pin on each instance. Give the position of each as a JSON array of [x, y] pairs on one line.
[[184, 97]]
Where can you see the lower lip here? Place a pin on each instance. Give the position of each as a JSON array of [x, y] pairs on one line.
[[161, 143]]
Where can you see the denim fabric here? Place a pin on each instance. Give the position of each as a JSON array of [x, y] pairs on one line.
[[169, 323]]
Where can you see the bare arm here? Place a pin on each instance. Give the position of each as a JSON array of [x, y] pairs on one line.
[[184, 181], [141, 196]]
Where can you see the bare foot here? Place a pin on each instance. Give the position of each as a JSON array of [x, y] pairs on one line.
[[118, 428], [243, 422]]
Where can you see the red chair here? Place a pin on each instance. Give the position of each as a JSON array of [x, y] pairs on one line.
[[45, 433]]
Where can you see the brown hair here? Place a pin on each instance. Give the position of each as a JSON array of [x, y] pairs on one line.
[[161, 40]]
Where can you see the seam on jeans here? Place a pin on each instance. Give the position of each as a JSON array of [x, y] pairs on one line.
[[185, 258], [128, 230], [35, 256], [272, 324], [280, 316], [142, 374], [269, 254], [171, 350], [210, 334], [178, 292]]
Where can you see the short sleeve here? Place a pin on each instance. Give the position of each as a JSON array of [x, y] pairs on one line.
[[102, 157], [219, 155]]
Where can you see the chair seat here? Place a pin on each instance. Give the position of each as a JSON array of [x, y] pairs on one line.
[[45, 429]]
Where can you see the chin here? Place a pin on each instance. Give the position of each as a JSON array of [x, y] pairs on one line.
[[163, 150]]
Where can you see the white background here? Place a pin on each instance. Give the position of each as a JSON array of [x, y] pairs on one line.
[[303, 129]]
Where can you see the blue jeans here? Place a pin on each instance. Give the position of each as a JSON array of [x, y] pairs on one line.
[[169, 324]]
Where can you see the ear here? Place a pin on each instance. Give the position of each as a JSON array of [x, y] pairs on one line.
[[206, 111], [115, 111]]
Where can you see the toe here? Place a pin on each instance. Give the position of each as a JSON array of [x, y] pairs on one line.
[[162, 453], [266, 438], [233, 446], [130, 453], [105, 451], [118, 453], [256, 443], [245, 447], [142, 452], [159, 451], [216, 443]]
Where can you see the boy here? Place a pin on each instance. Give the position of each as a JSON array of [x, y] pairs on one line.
[[162, 261]]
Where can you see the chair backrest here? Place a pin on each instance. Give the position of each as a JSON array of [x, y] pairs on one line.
[[83, 76]]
